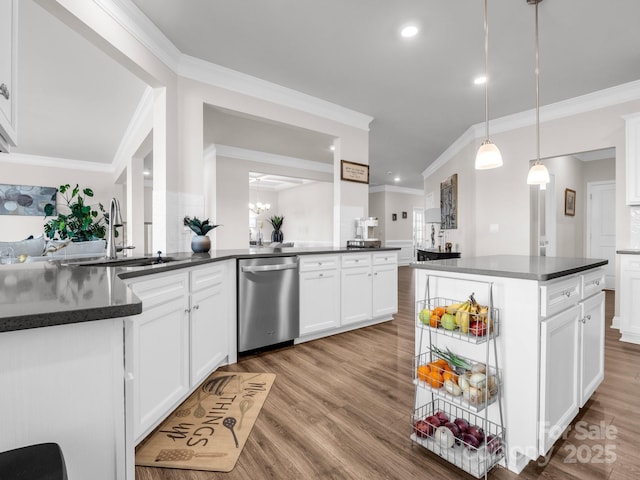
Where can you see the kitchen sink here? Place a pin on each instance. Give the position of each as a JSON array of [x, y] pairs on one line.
[[123, 262]]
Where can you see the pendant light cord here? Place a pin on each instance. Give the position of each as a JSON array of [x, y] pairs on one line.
[[537, 89], [486, 69]]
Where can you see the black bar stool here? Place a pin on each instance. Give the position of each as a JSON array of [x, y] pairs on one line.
[[34, 462]]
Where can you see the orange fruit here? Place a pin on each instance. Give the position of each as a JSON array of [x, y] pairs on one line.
[[435, 379], [434, 321], [439, 311], [423, 373]]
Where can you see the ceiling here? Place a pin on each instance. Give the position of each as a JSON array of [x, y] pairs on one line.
[[75, 102]]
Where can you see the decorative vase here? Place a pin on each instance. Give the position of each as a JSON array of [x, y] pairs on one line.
[[277, 236], [200, 244]]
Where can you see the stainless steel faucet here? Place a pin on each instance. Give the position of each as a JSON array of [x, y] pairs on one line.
[[115, 220]]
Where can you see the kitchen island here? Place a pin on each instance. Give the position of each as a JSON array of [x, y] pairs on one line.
[[550, 345], [93, 357]]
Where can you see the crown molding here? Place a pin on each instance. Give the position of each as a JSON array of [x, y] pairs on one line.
[[627, 92], [232, 80], [136, 23], [55, 162], [269, 158], [396, 189], [143, 112]]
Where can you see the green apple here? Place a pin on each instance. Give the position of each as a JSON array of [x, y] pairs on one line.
[[425, 316], [448, 322]]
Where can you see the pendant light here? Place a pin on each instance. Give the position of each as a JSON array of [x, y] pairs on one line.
[[538, 174], [488, 155]]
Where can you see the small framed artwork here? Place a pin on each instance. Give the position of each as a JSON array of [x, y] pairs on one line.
[[569, 202], [404, 214], [354, 172], [394, 216]]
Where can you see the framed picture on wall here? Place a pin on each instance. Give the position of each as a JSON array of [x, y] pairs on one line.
[[569, 202], [354, 172], [394, 216], [449, 202], [404, 214]]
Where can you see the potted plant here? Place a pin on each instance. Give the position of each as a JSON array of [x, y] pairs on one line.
[[276, 223], [82, 223], [200, 243]]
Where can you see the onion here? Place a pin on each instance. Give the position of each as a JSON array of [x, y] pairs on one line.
[[452, 388], [478, 368], [444, 437], [463, 383], [478, 380]]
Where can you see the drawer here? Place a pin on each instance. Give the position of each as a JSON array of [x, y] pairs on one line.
[[386, 258], [310, 263], [356, 260], [557, 295], [205, 277], [592, 282], [161, 289]]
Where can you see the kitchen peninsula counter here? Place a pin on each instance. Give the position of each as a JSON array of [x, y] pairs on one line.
[[550, 342], [49, 293]]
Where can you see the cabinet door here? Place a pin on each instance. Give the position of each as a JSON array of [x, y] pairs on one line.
[[209, 330], [8, 77], [629, 298], [159, 356], [633, 159], [591, 346], [558, 375], [319, 304], [356, 295], [385, 290]]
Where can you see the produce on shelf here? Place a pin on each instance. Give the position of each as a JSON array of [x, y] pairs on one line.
[[425, 316], [468, 317]]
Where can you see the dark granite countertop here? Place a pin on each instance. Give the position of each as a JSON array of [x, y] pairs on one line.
[[48, 293], [629, 251], [514, 266]]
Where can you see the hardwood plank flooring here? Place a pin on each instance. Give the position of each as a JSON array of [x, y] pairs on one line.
[[340, 408]]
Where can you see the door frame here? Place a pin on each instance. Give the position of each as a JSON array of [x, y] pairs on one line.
[[590, 186]]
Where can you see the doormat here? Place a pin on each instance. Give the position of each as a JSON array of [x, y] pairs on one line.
[[210, 428]]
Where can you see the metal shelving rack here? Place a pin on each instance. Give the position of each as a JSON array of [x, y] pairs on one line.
[[476, 461]]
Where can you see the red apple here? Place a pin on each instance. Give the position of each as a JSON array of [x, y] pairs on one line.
[[478, 328]]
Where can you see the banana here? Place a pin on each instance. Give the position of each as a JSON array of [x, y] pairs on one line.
[[454, 307], [463, 313]]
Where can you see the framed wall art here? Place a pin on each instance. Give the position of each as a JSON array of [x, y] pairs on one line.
[[26, 199], [449, 202], [354, 172], [569, 202]]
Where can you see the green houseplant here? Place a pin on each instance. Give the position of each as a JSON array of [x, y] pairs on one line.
[[276, 223], [82, 223], [200, 243]]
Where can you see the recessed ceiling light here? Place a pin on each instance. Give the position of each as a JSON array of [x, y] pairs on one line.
[[397, 179], [480, 80], [146, 172], [409, 31], [332, 148]]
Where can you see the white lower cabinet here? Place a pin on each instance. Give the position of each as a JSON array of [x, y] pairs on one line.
[[209, 320], [629, 298], [157, 350], [591, 359], [558, 374], [319, 306], [369, 286]]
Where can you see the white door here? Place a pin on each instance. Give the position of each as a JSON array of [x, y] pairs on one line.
[[601, 226]]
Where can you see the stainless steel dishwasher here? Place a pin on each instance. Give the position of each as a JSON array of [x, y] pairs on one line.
[[268, 304]]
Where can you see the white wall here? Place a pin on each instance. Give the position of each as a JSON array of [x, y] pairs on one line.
[[16, 172], [308, 214], [383, 204]]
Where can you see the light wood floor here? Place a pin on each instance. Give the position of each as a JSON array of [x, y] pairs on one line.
[[340, 407]]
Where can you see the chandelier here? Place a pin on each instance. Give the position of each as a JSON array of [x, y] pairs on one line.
[[258, 207]]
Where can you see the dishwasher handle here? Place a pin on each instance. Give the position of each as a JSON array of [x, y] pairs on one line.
[[270, 268]]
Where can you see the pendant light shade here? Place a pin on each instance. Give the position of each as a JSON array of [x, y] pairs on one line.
[[538, 174], [488, 155]]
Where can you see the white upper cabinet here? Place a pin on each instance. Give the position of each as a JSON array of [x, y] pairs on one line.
[[633, 158], [8, 73]]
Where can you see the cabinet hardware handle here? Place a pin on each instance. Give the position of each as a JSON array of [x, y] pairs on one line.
[[196, 307], [4, 91], [319, 263], [597, 282], [567, 293], [322, 275], [187, 310]]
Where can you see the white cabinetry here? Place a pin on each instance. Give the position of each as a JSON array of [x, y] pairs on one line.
[[356, 289], [558, 374], [629, 298], [591, 341], [369, 286], [157, 350], [633, 158], [8, 72], [571, 350], [319, 293], [209, 319]]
